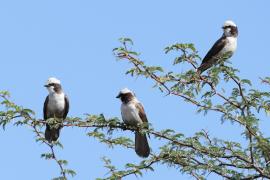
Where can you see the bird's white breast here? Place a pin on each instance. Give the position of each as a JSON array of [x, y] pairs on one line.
[[230, 46], [56, 102], [130, 114]]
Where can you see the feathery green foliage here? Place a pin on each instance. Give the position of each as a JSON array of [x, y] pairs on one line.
[[198, 155]]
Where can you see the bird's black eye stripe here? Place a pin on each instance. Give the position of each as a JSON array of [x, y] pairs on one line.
[[224, 27], [51, 84]]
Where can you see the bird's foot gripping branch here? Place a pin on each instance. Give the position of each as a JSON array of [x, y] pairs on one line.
[[198, 155]]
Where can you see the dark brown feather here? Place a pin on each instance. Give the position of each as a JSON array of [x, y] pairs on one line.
[[45, 108], [141, 144], [141, 112], [211, 57], [66, 109], [142, 148]]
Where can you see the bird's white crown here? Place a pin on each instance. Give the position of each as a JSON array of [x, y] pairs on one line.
[[229, 23], [53, 80], [125, 91]]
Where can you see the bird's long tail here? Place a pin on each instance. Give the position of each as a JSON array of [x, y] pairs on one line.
[[203, 67], [52, 133], [141, 145]]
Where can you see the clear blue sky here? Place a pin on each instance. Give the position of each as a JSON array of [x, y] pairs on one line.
[[73, 41]]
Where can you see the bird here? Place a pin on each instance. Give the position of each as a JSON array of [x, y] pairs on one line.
[[223, 48], [133, 114], [56, 106]]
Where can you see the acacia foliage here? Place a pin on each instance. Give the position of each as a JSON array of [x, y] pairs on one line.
[[199, 155]]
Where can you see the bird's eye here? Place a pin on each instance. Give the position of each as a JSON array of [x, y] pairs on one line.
[[225, 27], [51, 84]]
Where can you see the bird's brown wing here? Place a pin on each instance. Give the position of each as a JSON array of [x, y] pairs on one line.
[[216, 48], [45, 108], [66, 107], [141, 112], [143, 117], [211, 57]]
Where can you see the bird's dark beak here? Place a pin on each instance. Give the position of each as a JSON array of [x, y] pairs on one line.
[[118, 96], [46, 85]]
